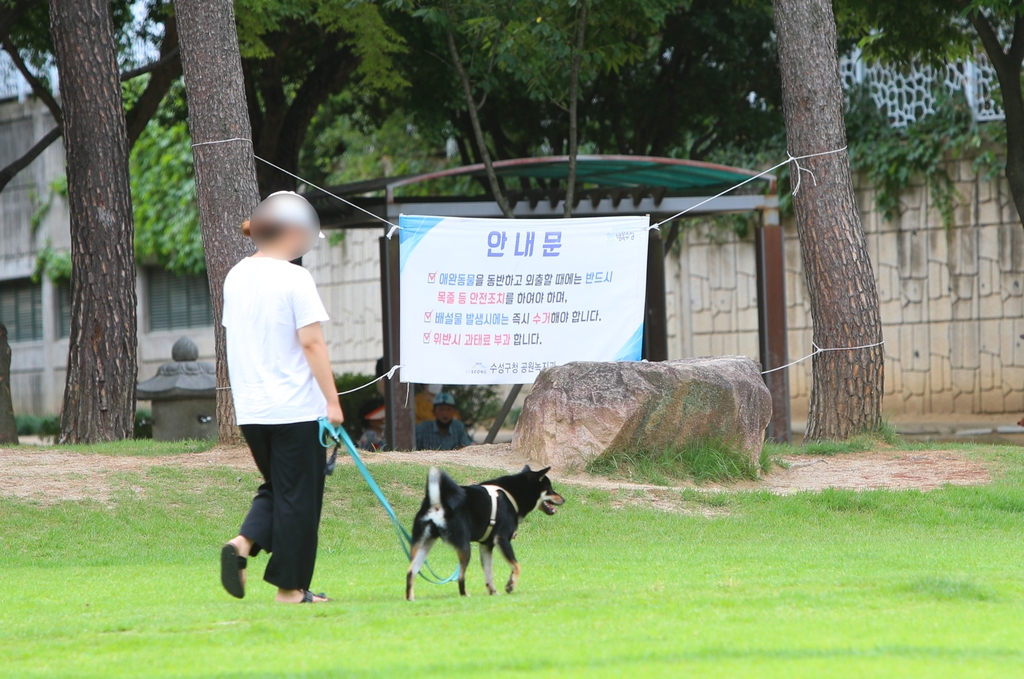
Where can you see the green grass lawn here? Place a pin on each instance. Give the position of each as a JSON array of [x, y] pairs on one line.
[[837, 584]]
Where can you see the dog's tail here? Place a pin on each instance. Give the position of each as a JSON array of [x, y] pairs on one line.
[[442, 491], [434, 487]]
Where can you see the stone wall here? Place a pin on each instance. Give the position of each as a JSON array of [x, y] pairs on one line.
[[348, 277], [952, 300]]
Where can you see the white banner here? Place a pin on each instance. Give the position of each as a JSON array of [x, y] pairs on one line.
[[495, 301]]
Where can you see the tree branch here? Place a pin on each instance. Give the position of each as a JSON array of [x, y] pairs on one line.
[[574, 95], [150, 67], [38, 88], [467, 91], [8, 173], [163, 72], [989, 38], [1016, 51]]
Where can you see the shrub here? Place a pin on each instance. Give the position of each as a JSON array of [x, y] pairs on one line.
[[700, 461], [143, 425], [36, 425], [475, 403], [352, 404]]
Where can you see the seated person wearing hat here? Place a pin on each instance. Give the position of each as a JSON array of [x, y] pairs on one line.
[[372, 439], [443, 432]]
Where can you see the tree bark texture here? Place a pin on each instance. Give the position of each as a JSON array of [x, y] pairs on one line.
[[99, 396], [846, 394], [8, 427], [226, 186]]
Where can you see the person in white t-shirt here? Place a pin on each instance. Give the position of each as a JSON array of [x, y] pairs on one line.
[[282, 384]]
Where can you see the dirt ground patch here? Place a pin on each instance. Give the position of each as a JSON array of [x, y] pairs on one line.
[[46, 475]]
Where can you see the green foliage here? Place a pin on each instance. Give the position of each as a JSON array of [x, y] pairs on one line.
[[370, 148], [932, 30], [355, 24], [41, 206], [54, 264], [536, 40], [47, 426], [475, 403], [891, 157], [699, 461], [167, 228], [143, 424], [513, 417], [352, 405]]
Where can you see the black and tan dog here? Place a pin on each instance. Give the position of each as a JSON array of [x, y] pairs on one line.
[[487, 513]]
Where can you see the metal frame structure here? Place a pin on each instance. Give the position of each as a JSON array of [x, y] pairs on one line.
[[610, 185]]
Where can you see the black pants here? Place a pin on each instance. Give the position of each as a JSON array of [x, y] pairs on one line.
[[285, 515]]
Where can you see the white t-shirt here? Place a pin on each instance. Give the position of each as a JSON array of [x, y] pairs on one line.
[[266, 301]]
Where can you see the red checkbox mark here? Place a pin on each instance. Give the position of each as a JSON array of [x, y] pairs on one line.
[[431, 277], [427, 315], [426, 338]]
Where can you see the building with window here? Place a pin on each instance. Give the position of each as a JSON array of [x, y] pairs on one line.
[[37, 310]]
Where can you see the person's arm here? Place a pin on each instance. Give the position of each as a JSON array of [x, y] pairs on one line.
[[315, 348]]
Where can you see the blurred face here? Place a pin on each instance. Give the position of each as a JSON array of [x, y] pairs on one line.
[[286, 242], [444, 413], [284, 226]]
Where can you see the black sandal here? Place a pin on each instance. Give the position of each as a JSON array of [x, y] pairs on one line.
[[231, 567], [308, 598]]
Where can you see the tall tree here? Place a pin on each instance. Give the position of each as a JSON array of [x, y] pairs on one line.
[[846, 393], [28, 42], [8, 425], [935, 29], [296, 54], [99, 397], [225, 173]]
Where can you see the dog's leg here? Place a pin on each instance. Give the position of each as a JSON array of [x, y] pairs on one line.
[[506, 551], [487, 561], [464, 554], [419, 554]]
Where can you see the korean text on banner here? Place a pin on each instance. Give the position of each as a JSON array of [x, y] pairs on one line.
[[495, 301]]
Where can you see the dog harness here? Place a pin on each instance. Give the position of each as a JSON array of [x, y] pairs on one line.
[[493, 492]]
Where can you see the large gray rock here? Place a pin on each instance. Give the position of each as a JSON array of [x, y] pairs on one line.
[[579, 410]]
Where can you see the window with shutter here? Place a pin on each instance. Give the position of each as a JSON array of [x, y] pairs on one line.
[[178, 301], [21, 310], [64, 310]]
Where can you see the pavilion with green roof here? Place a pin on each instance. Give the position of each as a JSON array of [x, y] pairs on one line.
[[606, 185]]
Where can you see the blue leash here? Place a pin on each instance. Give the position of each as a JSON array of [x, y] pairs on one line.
[[327, 434]]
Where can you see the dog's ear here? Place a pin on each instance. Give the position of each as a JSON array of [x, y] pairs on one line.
[[525, 469], [541, 473]]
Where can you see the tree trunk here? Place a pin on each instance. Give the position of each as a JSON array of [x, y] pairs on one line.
[[99, 397], [1007, 64], [574, 85], [8, 427], [846, 394], [225, 173]]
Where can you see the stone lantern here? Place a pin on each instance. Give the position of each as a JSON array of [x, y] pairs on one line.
[[184, 396]]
